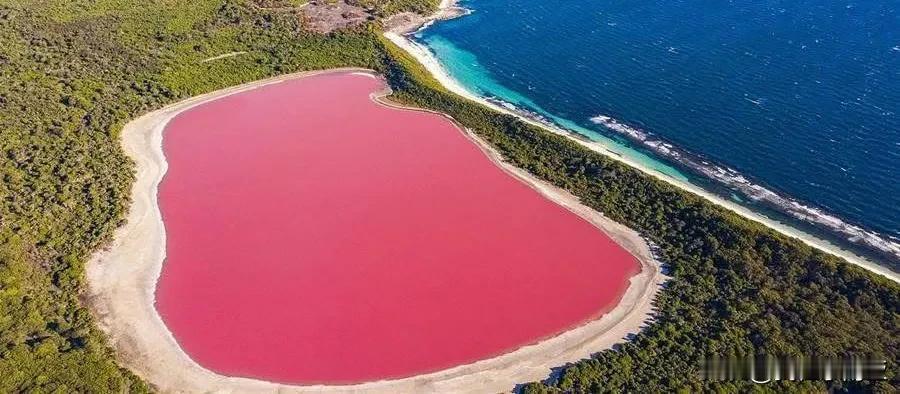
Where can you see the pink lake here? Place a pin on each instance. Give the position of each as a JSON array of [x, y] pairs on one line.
[[315, 236]]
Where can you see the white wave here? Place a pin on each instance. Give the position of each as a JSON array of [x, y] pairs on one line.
[[534, 116], [760, 194], [417, 32]]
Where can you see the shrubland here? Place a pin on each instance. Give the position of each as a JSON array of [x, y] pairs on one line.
[[72, 73]]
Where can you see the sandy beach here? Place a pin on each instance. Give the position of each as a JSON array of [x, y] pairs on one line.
[[122, 281], [434, 67]]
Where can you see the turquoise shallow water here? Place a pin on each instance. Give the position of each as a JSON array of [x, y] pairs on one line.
[[790, 107], [464, 67]]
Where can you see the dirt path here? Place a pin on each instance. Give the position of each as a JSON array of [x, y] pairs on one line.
[[223, 56]]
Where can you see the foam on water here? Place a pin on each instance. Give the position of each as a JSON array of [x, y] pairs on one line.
[[758, 193]]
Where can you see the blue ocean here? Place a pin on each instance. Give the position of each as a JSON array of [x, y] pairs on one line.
[[789, 107]]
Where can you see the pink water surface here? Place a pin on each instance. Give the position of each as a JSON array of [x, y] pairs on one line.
[[314, 236]]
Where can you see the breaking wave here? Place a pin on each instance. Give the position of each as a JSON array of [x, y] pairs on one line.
[[450, 13], [732, 179]]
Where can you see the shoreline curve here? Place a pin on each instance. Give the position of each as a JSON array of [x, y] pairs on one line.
[[122, 281], [430, 63]]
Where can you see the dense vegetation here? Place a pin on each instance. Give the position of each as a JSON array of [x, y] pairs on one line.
[[72, 72]]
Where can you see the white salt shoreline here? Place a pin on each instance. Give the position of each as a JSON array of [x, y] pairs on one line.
[[427, 59], [122, 281]]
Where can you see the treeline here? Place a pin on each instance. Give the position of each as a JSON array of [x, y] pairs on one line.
[[73, 72], [736, 288]]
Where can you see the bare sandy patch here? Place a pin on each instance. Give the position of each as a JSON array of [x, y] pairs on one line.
[[408, 22]]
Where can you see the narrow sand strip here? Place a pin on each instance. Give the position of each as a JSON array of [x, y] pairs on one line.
[[122, 281], [424, 56]]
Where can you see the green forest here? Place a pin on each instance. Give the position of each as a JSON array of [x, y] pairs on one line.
[[73, 72]]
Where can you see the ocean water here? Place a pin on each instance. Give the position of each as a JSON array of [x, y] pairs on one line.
[[789, 107]]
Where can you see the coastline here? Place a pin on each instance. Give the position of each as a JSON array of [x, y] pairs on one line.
[[426, 58], [122, 281]]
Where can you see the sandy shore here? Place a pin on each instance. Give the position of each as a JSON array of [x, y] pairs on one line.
[[434, 67], [122, 281]]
